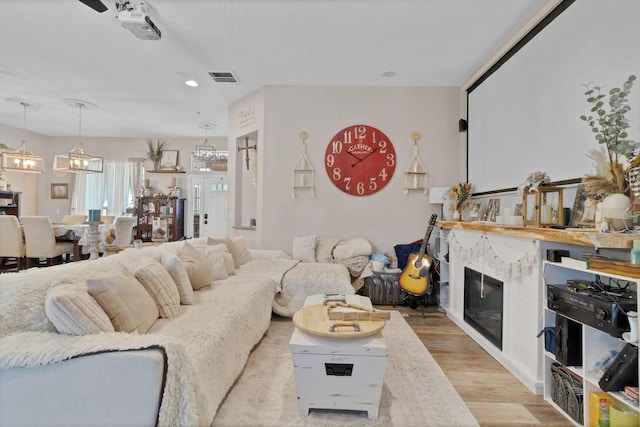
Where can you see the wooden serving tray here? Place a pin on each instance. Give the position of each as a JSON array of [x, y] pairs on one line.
[[621, 268], [314, 320]]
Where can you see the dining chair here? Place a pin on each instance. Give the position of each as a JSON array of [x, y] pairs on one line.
[[107, 219], [41, 241], [124, 230], [74, 219], [11, 244]]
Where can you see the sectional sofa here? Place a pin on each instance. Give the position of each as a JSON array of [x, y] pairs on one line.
[[151, 336]]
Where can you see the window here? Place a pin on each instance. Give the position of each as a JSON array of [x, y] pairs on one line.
[[110, 191]]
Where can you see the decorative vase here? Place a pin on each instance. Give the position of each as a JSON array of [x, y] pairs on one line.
[[457, 215], [614, 210]]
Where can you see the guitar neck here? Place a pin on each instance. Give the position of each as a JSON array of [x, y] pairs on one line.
[[427, 234]]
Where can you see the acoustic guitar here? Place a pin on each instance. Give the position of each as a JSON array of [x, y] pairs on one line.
[[415, 276]]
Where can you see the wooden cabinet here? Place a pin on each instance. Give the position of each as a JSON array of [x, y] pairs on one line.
[[10, 203], [169, 209]]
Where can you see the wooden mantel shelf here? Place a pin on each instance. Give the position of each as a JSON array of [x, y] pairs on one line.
[[572, 236]]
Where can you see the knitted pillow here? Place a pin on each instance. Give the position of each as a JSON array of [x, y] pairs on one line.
[[158, 282], [179, 275], [73, 311]]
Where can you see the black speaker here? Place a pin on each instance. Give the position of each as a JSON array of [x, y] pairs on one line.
[[555, 255], [623, 371], [568, 341]]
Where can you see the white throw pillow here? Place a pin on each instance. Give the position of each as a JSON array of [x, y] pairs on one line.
[[158, 282], [324, 248], [179, 275], [230, 247], [73, 311], [358, 246], [197, 266], [127, 303], [304, 248], [216, 261]]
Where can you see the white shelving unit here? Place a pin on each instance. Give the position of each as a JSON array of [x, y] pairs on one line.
[[415, 176], [594, 341]]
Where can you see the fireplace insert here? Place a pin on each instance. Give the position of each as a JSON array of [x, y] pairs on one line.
[[483, 305]]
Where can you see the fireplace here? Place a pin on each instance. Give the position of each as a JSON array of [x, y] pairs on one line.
[[483, 305]]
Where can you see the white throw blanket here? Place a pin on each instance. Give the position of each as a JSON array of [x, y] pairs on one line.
[[310, 279], [31, 349]]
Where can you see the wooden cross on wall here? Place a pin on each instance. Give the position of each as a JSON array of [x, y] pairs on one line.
[[246, 149]]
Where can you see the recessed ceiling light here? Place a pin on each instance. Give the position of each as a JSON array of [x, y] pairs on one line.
[[388, 74], [191, 83]]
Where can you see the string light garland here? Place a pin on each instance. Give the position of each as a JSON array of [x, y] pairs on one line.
[[482, 249]]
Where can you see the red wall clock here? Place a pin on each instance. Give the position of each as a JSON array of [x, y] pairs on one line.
[[360, 160]]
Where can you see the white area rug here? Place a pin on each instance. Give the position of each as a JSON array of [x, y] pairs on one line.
[[415, 392]]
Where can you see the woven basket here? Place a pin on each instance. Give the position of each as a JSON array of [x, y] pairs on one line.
[[567, 392]]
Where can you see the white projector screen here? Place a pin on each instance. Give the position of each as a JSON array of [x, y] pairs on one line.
[[525, 117]]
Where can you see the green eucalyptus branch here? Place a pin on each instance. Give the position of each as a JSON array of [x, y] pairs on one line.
[[610, 127]]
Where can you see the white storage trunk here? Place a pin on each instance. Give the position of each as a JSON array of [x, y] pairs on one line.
[[338, 373]]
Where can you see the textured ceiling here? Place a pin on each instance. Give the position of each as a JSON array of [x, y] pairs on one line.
[[56, 49]]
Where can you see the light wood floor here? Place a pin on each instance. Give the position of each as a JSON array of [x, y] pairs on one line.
[[494, 396]]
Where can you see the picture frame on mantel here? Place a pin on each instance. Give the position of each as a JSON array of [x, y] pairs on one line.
[[169, 160], [585, 206]]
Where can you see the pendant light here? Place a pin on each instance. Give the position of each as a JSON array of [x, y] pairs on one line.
[[22, 160], [77, 160], [206, 152]]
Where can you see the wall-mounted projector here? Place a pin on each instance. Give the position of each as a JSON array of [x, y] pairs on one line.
[[139, 23]]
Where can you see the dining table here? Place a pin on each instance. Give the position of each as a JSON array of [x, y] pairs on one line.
[[81, 238]]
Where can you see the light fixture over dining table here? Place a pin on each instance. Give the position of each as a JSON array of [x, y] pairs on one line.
[[77, 160], [22, 160]]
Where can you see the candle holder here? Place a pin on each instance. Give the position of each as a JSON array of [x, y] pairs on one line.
[[543, 207]]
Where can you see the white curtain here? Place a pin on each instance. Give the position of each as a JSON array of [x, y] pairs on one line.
[[112, 190]]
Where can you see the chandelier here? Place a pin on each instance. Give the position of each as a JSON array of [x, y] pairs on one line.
[[77, 160], [206, 152], [22, 160]]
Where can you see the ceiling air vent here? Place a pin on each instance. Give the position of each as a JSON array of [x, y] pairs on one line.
[[223, 77]]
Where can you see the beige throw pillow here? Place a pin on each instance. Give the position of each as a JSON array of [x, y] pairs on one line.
[[73, 311], [158, 282], [240, 243], [228, 263], [197, 266], [128, 305], [179, 275], [324, 248], [230, 247]]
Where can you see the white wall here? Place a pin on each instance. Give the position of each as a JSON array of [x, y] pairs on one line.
[[385, 218]]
